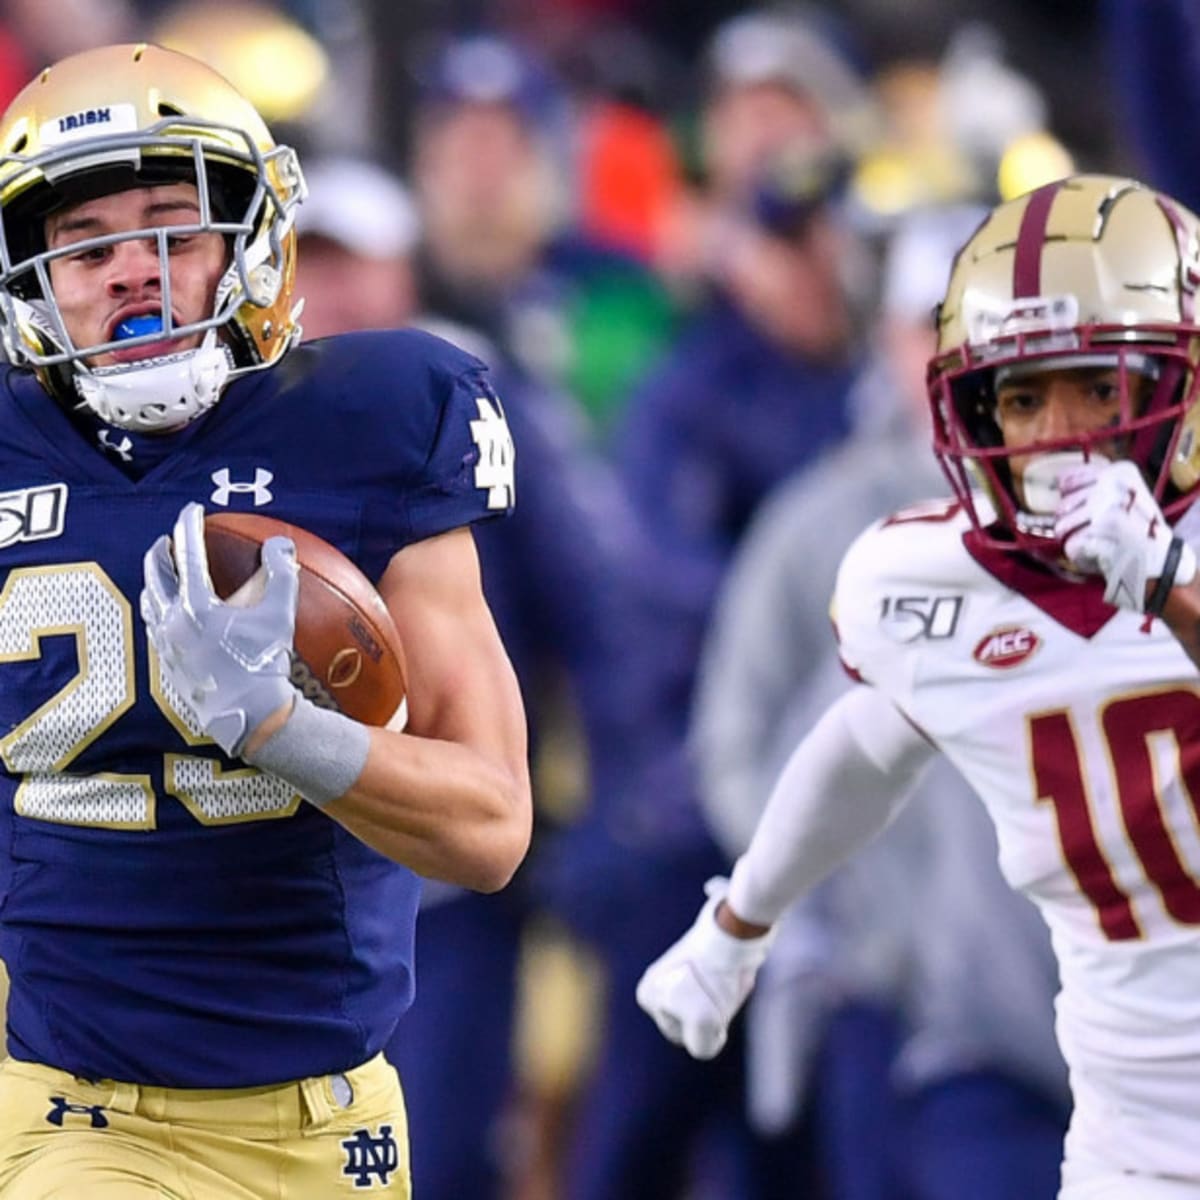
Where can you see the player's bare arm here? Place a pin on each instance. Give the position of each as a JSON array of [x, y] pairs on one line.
[[449, 796], [1182, 616]]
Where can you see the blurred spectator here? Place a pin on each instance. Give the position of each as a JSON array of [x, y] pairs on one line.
[[1154, 57], [308, 67], [48, 30], [501, 251], [15, 68], [775, 80], [757, 383], [966, 126], [772, 80], [359, 230], [892, 1006], [555, 575], [756, 387], [273, 61]]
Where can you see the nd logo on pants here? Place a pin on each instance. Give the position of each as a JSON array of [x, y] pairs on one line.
[[62, 1138]]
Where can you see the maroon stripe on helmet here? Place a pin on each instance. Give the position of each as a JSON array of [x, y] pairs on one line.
[[1187, 290], [1027, 263]]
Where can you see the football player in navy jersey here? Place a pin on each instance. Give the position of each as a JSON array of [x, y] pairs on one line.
[[208, 885]]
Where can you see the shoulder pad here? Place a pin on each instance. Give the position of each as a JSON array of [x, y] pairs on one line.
[[903, 580]]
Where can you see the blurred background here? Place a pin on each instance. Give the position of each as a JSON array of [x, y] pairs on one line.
[[699, 246]]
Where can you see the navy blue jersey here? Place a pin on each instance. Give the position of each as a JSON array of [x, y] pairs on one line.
[[169, 916]]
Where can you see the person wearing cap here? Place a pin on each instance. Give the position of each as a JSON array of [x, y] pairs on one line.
[[501, 251], [211, 873], [358, 230], [864, 1014], [773, 81], [756, 386]]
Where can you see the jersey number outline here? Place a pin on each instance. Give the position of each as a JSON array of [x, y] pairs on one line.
[[80, 600], [1133, 727]]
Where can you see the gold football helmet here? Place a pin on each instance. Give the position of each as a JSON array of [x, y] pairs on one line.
[[135, 115], [1090, 270]]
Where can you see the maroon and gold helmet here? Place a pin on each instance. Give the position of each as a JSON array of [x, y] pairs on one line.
[[1089, 271]]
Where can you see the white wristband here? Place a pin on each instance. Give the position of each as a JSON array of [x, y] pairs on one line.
[[318, 751]]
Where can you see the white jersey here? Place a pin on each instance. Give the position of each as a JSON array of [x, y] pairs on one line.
[[1080, 730]]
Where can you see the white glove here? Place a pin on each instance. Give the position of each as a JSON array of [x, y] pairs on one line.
[[230, 662], [695, 989], [1111, 525]]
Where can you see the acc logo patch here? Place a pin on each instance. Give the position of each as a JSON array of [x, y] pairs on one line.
[[1006, 648]]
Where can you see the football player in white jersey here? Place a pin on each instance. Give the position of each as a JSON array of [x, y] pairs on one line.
[[1042, 630]]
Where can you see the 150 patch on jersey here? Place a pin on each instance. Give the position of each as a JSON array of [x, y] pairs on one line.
[[32, 514], [908, 618]]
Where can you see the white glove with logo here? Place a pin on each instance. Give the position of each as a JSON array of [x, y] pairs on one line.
[[230, 662], [1111, 525], [695, 989]]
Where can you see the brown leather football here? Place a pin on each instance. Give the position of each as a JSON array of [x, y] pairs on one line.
[[347, 650]]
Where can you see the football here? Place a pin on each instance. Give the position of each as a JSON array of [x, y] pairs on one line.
[[348, 654]]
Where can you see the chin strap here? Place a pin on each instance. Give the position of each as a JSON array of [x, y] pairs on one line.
[[160, 394]]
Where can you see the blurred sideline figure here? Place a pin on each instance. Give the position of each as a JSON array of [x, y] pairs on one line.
[[359, 232], [771, 80], [887, 1002], [556, 586], [502, 251], [1154, 56], [755, 386]]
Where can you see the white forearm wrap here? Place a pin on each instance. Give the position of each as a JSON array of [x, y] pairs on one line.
[[843, 783], [319, 752]]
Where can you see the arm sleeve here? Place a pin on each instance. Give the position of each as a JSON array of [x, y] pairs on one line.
[[843, 783]]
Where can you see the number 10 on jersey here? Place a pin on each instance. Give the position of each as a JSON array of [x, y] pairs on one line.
[[1140, 733]]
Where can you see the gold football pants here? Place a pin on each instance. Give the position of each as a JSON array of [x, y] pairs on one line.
[[62, 1138]]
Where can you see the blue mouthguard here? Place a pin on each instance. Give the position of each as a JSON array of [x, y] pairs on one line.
[[133, 327]]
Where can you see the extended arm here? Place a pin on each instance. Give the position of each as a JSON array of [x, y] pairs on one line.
[[842, 784]]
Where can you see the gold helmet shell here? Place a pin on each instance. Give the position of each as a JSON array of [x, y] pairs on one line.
[[1088, 270], [128, 115]]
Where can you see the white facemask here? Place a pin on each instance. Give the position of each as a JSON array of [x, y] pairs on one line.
[[160, 394]]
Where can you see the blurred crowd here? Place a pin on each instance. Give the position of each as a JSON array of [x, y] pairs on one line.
[[701, 255]]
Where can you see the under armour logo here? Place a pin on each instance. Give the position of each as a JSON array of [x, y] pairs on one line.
[[227, 487], [371, 1160], [122, 449], [494, 471], [95, 1112]]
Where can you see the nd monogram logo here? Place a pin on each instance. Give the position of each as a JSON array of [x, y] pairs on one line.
[[226, 487], [371, 1160], [94, 1112], [494, 471]]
